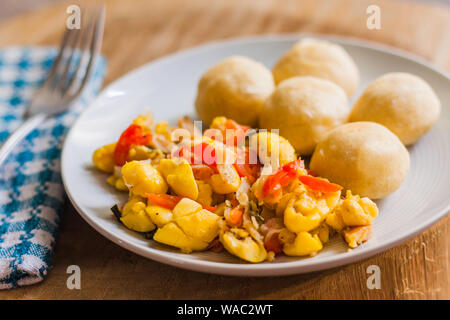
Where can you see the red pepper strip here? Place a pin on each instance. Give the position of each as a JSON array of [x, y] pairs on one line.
[[293, 166], [163, 200], [234, 216], [202, 171], [274, 243], [285, 178], [212, 209], [168, 201], [271, 188], [196, 154], [183, 152], [213, 133], [284, 175], [244, 168], [321, 185], [240, 131], [231, 124], [132, 135]]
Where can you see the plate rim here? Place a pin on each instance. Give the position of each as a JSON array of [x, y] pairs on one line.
[[265, 269]]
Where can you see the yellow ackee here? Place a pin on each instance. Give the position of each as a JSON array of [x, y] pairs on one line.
[[272, 149], [297, 222], [204, 193], [238, 242], [352, 211], [304, 217], [159, 215], [117, 183], [306, 211], [201, 225], [173, 236], [218, 123], [335, 221], [179, 176], [274, 206], [356, 211], [135, 217], [357, 235], [142, 178], [145, 121], [324, 233], [143, 153], [103, 158], [226, 181], [191, 229], [162, 129], [304, 244], [186, 207]]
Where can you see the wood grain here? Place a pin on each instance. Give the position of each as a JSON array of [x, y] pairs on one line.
[[138, 31]]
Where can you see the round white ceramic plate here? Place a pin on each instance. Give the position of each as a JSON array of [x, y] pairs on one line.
[[167, 87]]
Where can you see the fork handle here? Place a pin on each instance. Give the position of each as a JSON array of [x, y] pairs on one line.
[[17, 136]]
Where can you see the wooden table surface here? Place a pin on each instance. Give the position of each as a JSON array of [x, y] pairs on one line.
[[139, 31]]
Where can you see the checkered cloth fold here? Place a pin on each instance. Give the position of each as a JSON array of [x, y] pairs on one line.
[[31, 191]]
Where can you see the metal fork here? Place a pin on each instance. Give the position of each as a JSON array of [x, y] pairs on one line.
[[68, 76]]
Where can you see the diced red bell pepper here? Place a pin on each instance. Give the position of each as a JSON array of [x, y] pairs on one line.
[[133, 135], [234, 216], [195, 154], [239, 131], [273, 243], [169, 202], [209, 208], [202, 171], [318, 184], [198, 151], [246, 169], [163, 200], [284, 175]]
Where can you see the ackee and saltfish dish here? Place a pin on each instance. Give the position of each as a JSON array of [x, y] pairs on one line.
[[242, 185], [207, 194]]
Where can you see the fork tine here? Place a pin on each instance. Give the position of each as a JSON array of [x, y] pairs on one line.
[[65, 59], [52, 97], [73, 62], [95, 40], [63, 80], [66, 66], [67, 38]]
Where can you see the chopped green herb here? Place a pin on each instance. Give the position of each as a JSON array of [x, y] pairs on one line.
[[253, 206], [254, 211]]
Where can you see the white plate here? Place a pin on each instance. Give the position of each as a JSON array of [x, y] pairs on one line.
[[168, 87]]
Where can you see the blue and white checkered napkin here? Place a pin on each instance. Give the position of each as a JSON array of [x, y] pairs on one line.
[[31, 192]]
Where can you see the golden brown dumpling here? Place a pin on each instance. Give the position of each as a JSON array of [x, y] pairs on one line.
[[402, 102], [304, 109], [235, 88], [364, 157], [321, 59]]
